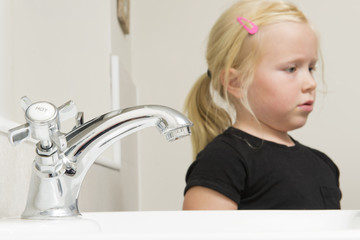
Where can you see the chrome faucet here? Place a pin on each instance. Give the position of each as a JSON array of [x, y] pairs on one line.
[[62, 160]]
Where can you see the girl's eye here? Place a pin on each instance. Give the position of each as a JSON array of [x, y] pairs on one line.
[[291, 69], [312, 69]]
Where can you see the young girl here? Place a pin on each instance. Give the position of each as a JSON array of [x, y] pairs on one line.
[[261, 56]]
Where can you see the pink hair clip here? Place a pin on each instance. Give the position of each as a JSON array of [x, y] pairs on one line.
[[252, 30]]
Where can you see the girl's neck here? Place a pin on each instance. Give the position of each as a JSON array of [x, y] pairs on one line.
[[264, 132]]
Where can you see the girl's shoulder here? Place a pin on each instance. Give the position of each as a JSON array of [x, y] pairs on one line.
[[231, 141], [220, 145], [323, 157]]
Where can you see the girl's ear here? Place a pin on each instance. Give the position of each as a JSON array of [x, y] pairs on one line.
[[233, 87]]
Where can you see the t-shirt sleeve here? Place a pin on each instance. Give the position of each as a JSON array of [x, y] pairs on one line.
[[218, 167], [329, 162]]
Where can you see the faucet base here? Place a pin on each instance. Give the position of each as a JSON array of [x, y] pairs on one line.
[[50, 198], [49, 214]]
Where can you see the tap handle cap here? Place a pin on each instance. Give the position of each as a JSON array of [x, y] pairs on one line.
[[41, 112]]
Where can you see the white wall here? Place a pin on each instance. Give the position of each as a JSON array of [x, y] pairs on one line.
[[2, 56], [5, 46], [167, 39], [168, 45]]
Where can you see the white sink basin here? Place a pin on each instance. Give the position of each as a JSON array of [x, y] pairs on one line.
[[337, 224]]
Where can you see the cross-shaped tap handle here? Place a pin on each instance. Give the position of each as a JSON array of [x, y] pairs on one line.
[[43, 123]]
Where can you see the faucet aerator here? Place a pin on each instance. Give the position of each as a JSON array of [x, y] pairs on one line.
[[178, 133]]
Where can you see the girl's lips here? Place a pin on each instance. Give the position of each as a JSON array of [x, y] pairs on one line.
[[307, 106]]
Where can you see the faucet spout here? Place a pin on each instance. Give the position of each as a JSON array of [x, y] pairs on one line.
[[89, 140], [62, 160]]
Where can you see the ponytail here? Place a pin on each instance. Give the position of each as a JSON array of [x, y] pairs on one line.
[[209, 119]]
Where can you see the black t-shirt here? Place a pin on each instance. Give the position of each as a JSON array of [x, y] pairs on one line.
[[259, 174]]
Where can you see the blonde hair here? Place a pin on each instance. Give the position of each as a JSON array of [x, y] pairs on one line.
[[231, 46]]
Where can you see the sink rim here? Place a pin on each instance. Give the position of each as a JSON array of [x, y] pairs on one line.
[[200, 225]]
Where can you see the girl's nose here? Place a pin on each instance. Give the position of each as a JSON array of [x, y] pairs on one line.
[[309, 83]]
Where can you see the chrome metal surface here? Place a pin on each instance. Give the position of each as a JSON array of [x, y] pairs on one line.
[[62, 160]]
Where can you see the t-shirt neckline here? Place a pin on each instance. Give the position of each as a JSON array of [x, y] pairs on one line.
[[256, 142]]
